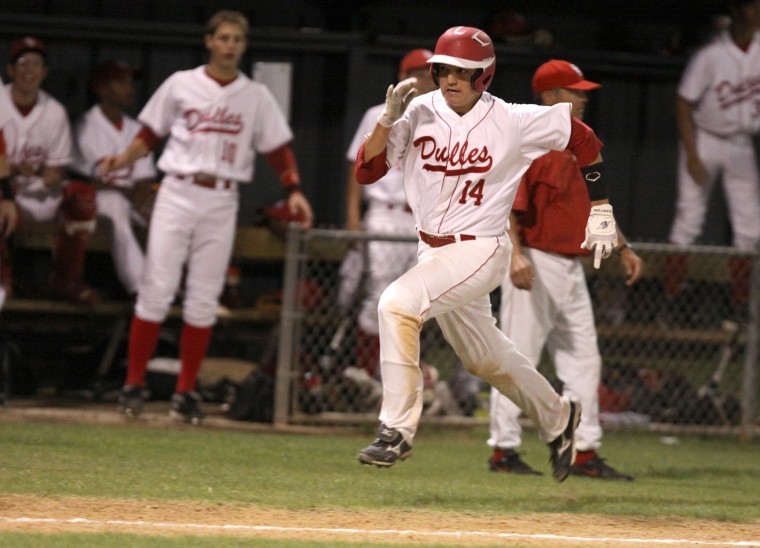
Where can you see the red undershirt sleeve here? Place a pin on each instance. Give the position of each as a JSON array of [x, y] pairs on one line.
[[147, 136], [283, 162], [583, 142], [369, 172]]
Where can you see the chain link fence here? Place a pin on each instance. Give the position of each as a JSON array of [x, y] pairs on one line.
[[679, 347]]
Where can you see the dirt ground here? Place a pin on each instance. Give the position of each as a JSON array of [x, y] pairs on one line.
[[160, 517], [59, 514]]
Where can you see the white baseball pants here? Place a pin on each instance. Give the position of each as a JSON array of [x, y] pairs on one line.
[[452, 284], [555, 313], [733, 160], [194, 225]]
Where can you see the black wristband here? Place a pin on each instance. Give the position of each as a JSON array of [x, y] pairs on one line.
[[594, 177], [5, 188], [626, 245], [290, 189]]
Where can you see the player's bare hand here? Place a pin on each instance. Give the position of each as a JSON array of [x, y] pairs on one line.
[[8, 217], [521, 272], [601, 233], [299, 206], [397, 98], [697, 170], [109, 164], [632, 264]]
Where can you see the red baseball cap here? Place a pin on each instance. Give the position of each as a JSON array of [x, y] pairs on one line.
[[560, 74], [415, 59], [25, 45], [111, 70]]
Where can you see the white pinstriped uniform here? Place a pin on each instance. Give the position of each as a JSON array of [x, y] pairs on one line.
[[461, 174], [213, 130], [724, 81]]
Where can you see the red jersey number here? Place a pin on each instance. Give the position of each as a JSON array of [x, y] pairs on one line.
[[228, 152], [474, 191]]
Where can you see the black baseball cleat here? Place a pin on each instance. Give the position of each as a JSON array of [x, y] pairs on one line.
[[131, 401], [389, 447], [593, 466], [186, 407], [563, 446], [509, 461]]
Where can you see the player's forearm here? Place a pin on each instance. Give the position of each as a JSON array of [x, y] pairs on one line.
[[136, 150], [353, 199], [514, 235], [687, 129], [376, 142]]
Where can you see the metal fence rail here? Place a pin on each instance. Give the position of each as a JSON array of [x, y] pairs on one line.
[[681, 363]]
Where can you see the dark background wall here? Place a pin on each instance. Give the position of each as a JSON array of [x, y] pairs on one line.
[[345, 54]]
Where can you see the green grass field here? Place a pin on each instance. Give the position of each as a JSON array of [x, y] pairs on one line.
[[708, 478]]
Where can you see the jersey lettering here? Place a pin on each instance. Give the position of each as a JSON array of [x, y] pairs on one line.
[[460, 160], [475, 192], [217, 121]]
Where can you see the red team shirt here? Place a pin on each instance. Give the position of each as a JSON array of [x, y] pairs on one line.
[[552, 205]]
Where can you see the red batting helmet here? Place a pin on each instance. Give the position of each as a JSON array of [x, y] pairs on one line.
[[468, 48]]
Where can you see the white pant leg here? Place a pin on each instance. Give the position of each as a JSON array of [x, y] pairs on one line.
[[527, 318], [172, 223], [387, 260], [741, 183], [574, 351], [692, 201], [128, 256], [453, 283]]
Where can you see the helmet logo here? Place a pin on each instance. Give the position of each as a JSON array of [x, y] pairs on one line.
[[475, 36]]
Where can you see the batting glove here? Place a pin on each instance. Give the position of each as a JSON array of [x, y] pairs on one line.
[[397, 98], [601, 233]]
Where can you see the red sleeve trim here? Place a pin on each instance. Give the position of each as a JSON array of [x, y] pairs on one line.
[[147, 136], [583, 142], [3, 151], [283, 162], [369, 172]]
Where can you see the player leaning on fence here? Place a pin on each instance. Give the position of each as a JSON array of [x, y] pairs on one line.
[[463, 152], [216, 120]]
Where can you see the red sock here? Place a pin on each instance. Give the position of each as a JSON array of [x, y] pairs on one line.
[[193, 345], [143, 338], [583, 457]]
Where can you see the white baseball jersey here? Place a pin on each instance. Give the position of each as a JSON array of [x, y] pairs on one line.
[[211, 128], [41, 138], [96, 137], [389, 188], [461, 173], [724, 81]]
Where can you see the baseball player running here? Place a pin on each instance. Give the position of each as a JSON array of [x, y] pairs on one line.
[[216, 119], [462, 152], [105, 130], [545, 296], [717, 112], [387, 212], [38, 141]]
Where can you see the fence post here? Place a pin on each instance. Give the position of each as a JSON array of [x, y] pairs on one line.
[[288, 315], [749, 378]]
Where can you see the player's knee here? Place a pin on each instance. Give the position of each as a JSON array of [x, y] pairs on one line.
[[200, 315]]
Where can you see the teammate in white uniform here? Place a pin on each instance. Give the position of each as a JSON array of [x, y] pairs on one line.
[[387, 213], [545, 298], [463, 152], [105, 130], [38, 139], [217, 119], [8, 213], [718, 112]]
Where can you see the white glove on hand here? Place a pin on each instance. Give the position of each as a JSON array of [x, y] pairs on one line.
[[601, 233], [396, 100]]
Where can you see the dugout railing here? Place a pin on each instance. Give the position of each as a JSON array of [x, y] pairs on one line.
[[687, 363]]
